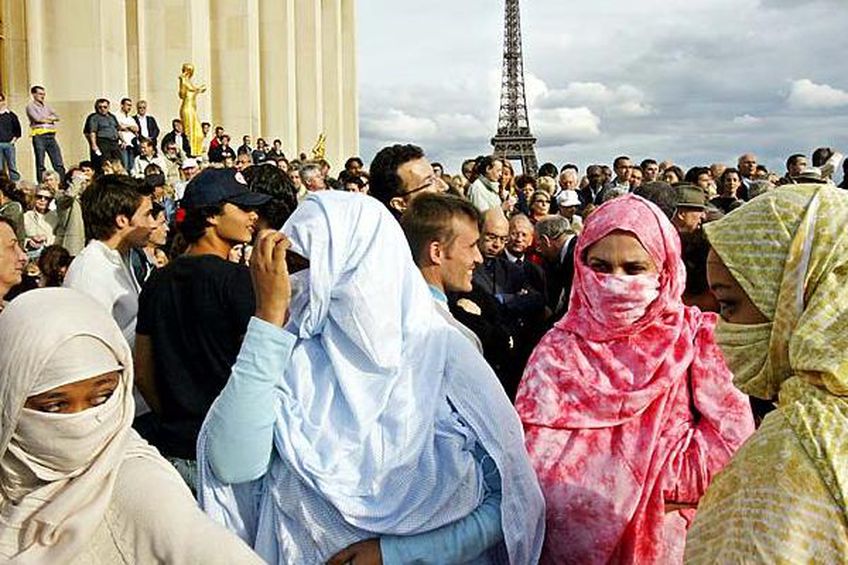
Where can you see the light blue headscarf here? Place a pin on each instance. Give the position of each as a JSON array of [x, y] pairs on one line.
[[380, 408]]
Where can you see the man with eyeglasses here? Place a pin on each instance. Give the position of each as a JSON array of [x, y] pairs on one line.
[[400, 173], [520, 306], [101, 131]]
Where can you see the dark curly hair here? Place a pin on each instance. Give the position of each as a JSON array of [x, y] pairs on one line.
[[51, 262], [385, 182], [270, 180]]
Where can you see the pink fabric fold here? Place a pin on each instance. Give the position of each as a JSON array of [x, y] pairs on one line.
[[621, 421]]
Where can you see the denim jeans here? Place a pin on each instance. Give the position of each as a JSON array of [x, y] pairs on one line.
[[187, 468], [7, 159], [46, 143]]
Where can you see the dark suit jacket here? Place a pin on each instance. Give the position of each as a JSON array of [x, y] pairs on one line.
[[586, 198], [152, 127], [493, 332], [508, 283], [560, 277], [171, 136]]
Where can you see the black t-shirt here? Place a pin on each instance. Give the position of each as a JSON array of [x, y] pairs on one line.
[[196, 311]]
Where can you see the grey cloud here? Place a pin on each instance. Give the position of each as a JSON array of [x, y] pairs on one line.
[[709, 78]]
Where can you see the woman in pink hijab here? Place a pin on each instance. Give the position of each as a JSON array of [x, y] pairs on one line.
[[628, 406]]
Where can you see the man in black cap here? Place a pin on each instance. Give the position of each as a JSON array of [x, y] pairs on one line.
[[193, 314], [691, 208]]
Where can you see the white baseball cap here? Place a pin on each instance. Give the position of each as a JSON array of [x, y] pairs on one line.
[[568, 198]]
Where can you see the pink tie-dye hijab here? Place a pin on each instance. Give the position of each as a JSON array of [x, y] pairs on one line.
[[623, 418]]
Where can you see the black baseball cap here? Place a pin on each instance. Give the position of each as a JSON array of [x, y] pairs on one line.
[[212, 187]]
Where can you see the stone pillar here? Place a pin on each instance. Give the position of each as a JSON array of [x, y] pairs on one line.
[[308, 43], [235, 96], [332, 80], [276, 68], [77, 50], [278, 73], [350, 86], [200, 53]]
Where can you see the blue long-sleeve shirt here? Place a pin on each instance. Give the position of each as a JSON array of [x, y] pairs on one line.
[[240, 431]]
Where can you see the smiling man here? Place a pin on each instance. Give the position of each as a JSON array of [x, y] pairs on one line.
[[443, 235], [193, 313]]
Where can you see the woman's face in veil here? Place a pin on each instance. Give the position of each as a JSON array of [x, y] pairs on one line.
[[77, 396]]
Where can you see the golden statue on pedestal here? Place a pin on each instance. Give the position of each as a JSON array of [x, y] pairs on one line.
[[320, 149], [188, 109]]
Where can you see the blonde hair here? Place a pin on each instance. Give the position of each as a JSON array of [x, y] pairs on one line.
[[547, 184]]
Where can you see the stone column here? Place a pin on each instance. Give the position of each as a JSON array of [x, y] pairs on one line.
[[278, 73], [77, 50], [333, 110], [308, 43], [350, 86]]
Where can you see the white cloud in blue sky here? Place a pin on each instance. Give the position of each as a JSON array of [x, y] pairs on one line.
[[696, 81]]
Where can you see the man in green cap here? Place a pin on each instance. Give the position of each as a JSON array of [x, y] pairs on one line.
[[691, 208]]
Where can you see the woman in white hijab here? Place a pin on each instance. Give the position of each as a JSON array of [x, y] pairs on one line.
[[77, 484], [367, 417]]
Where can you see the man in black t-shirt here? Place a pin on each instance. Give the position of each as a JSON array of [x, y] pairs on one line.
[[193, 314]]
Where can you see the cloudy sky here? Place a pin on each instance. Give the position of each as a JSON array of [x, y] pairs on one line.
[[695, 81]]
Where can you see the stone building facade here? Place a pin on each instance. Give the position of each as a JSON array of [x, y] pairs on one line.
[[274, 68]]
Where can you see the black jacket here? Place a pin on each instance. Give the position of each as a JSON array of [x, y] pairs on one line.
[[152, 127], [171, 136], [10, 127], [560, 277]]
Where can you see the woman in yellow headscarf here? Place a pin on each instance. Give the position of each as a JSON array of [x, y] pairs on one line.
[[779, 268]]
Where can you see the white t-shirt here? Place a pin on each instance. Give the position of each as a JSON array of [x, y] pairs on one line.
[[102, 273], [126, 120]]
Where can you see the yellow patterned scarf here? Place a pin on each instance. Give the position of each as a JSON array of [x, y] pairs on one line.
[[788, 250]]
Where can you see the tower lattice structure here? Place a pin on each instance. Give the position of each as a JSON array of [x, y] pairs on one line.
[[513, 140]]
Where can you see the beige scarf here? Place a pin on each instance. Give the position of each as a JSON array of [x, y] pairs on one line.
[[58, 471]]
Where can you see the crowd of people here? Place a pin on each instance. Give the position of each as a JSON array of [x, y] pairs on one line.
[[234, 357]]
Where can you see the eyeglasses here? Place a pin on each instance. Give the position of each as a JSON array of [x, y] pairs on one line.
[[431, 180], [43, 197]]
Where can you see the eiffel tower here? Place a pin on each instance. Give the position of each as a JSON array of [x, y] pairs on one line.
[[513, 139]]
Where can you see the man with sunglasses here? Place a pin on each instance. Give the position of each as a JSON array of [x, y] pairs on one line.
[[193, 314], [101, 131]]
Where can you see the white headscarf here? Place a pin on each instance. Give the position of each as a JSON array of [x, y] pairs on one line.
[[57, 471], [382, 402]]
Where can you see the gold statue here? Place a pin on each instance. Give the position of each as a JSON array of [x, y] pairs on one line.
[[188, 109], [320, 149]]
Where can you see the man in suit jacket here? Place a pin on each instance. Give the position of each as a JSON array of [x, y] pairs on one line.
[[147, 126], [177, 137], [519, 307], [556, 242], [589, 193]]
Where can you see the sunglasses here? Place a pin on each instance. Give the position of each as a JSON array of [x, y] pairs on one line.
[[43, 197]]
